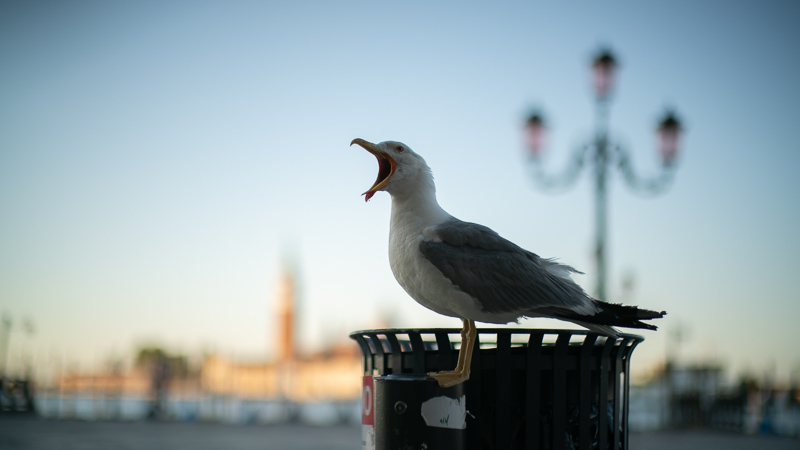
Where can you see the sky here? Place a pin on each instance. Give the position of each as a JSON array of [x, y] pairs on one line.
[[161, 162]]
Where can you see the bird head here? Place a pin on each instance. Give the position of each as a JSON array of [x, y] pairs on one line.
[[398, 166]]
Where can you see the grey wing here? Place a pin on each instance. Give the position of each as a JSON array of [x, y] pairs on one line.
[[500, 274]]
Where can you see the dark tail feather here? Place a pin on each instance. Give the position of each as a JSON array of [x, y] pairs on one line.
[[615, 314], [610, 315]]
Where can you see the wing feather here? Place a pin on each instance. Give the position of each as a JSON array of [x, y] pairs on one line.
[[501, 275]]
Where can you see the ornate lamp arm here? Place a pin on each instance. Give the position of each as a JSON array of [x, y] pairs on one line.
[[651, 186], [563, 180]]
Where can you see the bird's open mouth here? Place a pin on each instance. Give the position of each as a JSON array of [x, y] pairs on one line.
[[386, 166]]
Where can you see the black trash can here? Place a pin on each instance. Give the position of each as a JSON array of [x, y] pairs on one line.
[[528, 388]]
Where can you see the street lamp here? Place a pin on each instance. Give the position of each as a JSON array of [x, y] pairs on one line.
[[604, 67], [605, 154], [5, 323]]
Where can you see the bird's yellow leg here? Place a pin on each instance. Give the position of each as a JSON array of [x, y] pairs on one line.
[[463, 350], [449, 378], [472, 336]]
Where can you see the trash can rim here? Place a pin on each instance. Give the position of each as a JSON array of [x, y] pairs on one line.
[[495, 330]]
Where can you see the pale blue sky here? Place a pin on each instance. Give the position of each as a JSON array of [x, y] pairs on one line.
[[158, 160]]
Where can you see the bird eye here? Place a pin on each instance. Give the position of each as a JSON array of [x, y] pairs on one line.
[[400, 149]]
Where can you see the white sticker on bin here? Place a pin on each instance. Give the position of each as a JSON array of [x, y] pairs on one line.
[[445, 412]]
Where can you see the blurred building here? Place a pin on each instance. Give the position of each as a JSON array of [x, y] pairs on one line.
[[696, 396], [332, 374], [286, 305]]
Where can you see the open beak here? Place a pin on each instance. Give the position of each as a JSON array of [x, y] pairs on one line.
[[386, 166]]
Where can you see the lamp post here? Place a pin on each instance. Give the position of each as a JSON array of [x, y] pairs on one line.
[[5, 322], [606, 154]]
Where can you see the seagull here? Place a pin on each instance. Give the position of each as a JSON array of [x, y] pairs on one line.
[[465, 270]]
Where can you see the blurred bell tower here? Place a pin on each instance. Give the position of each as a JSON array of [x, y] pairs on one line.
[[285, 315]]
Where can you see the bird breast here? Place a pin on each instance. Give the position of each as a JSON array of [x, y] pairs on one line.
[[421, 279]]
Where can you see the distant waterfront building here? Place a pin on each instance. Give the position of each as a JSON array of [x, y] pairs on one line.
[[332, 374]]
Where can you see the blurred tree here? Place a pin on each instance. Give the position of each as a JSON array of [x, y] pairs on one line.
[[149, 357]]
